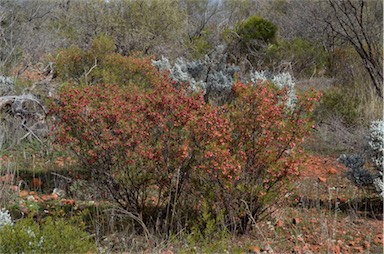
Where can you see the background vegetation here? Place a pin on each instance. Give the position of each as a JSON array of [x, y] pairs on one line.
[[156, 125]]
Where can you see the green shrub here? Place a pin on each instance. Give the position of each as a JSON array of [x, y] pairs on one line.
[[78, 65], [304, 57], [100, 64], [208, 235], [70, 63], [336, 102], [256, 28], [248, 41], [51, 236], [123, 71], [200, 45]]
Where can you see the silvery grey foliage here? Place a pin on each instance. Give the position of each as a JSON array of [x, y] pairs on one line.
[[5, 218], [281, 80], [215, 76], [352, 161], [356, 171], [355, 164], [376, 143], [379, 185], [212, 74], [6, 85], [162, 64]]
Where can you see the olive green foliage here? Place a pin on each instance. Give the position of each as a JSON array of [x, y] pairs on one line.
[[146, 26], [335, 102], [200, 45], [304, 58], [209, 233], [69, 64], [77, 65], [52, 236], [349, 72], [100, 64], [256, 28], [248, 41]]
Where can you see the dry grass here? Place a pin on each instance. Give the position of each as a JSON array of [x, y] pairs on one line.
[[324, 214]]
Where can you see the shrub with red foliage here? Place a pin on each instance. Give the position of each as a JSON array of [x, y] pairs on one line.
[[266, 135], [142, 142], [154, 145]]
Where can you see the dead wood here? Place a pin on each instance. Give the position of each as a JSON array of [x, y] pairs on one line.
[[21, 117]]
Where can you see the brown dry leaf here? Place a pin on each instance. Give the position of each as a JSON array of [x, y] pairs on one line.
[[7, 178], [23, 193], [279, 223], [36, 183], [336, 249], [68, 202], [367, 245], [46, 197], [321, 179], [359, 249], [54, 196], [166, 252], [254, 249], [378, 239], [14, 188], [60, 162], [296, 221]]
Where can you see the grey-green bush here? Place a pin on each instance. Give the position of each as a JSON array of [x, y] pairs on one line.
[[7, 85], [357, 173]]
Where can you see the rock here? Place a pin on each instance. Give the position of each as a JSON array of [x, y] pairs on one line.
[[59, 192], [30, 198]]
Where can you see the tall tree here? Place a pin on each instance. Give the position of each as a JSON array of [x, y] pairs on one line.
[[23, 31], [359, 23]]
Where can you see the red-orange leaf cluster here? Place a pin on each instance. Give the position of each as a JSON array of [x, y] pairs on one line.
[[159, 142]]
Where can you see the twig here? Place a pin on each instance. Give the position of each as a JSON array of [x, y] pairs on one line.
[[32, 133], [88, 72], [253, 219], [142, 224], [66, 178]]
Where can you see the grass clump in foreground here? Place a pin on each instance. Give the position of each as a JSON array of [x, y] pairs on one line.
[[50, 236]]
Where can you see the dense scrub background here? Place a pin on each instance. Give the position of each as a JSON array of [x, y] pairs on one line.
[[181, 120]]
